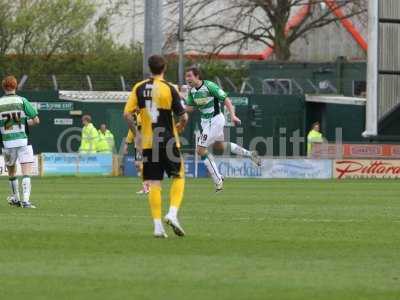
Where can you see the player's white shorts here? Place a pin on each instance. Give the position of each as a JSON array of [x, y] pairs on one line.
[[213, 131], [23, 154]]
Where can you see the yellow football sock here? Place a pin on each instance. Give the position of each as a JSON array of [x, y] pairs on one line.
[[176, 192], [155, 201]]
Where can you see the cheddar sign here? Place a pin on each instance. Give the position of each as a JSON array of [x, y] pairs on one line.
[[353, 168]]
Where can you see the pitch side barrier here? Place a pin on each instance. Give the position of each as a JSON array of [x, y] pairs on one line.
[[297, 168], [74, 164]]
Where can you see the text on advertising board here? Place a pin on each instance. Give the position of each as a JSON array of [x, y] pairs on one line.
[[367, 169]]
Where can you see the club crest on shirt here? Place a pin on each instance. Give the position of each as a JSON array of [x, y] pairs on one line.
[[201, 101]]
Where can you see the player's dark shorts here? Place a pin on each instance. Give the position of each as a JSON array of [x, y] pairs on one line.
[[169, 161]]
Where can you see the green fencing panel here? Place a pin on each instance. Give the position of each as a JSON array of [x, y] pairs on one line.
[[349, 119], [389, 126], [40, 95], [60, 131], [349, 78], [262, 118], [55, 119], [107, 113], [276, 119], [266, 119], [117, 125]]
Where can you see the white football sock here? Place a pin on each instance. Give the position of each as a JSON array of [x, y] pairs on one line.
[[212, 168], [14, 185], [236, 149], [158, 226], [26, 188], [173, 212]]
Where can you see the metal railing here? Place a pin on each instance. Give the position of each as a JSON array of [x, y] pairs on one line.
[[249, 85]]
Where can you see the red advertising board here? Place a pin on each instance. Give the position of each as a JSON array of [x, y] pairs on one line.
[[357, 168], [362, 151], [327, 151], [371, 151]]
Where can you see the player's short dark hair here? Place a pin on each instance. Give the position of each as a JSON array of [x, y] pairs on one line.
[[87, 118], [195, 70], [157, 64], [315, 124]]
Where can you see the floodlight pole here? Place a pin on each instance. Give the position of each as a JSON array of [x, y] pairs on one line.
[[371, 120], [181, 46], [133, 22], [153, 33]]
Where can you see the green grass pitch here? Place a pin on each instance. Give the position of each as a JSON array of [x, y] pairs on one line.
[[91, 238]]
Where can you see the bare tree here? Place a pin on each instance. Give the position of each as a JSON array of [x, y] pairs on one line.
[[267, 22], [7, 28], [42, 27]]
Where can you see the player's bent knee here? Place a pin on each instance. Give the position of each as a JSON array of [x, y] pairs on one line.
[[11, 171], [201, 151], [153, 183], [26, 169], [219, 147]]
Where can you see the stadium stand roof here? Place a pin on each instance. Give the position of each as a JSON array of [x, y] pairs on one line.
[[336, 99], [94, 96]]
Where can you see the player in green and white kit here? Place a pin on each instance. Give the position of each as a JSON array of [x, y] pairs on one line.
[[16, 114], [207, 97]]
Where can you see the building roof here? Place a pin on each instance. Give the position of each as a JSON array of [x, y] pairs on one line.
[[351, 26]]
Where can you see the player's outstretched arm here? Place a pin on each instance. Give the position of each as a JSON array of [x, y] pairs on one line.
[[31, 113], [189, 108], [189, 103], [34, 121], [229, 107], [130, 120], [183, 120]]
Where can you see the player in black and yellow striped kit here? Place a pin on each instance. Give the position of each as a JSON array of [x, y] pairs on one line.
[[157, 102]]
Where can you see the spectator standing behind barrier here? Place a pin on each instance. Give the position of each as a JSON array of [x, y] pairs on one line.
[[105, 143], [314, 137], [89, 136]]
